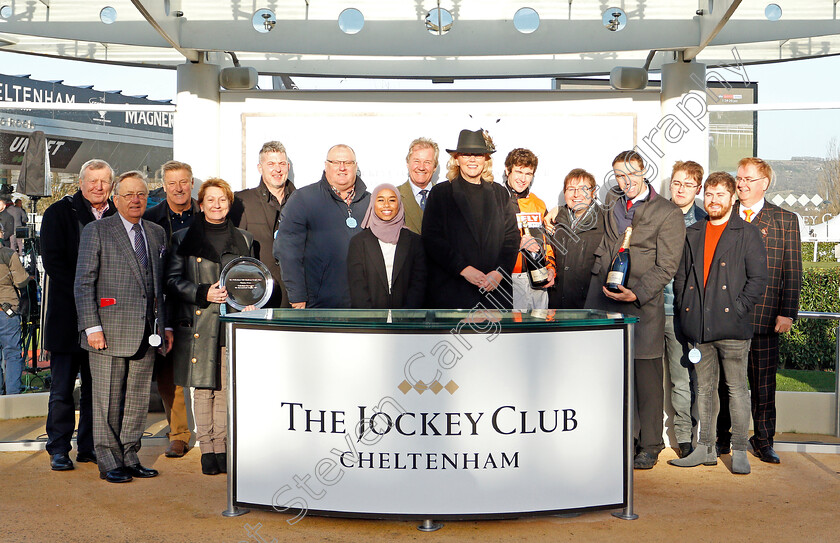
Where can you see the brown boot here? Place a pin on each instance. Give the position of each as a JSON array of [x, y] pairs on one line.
[[176, 449]]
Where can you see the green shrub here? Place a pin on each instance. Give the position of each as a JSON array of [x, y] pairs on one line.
[[811, 343]]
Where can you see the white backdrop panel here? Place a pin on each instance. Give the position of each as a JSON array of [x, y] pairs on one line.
[[565, 130]]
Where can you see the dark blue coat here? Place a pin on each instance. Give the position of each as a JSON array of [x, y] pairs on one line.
[[737, 279], [312, 243]]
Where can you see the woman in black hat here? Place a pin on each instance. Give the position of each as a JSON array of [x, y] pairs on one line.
[[472, 239]]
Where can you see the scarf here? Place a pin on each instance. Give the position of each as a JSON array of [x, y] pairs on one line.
[[387, 231]]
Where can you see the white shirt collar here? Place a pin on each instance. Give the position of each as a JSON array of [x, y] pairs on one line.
[[416, 190], [129, 225], [756, 209], [642, 195]]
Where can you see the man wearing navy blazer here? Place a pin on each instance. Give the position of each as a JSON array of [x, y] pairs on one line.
[[775, 312], [422, 161], [119, 302]]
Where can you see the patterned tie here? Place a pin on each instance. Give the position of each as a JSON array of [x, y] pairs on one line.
[[748, 214], [423, 194], [140, 246]]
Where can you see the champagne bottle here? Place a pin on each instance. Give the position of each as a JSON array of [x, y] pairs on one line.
[[534, 264], [620, 267]]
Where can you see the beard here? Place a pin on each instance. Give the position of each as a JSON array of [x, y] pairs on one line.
[[720, 213]]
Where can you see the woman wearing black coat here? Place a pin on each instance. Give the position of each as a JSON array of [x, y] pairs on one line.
[[469, 232], [386, 262], [195, 298]]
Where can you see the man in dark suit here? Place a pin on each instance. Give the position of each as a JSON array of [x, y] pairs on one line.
[[60, 231], [422, 161], [656, 247], [257, 211], [775, 312], [173, 214], [119, 301]]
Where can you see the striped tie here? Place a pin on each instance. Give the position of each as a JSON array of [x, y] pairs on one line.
[[140, 246], [748, 214]]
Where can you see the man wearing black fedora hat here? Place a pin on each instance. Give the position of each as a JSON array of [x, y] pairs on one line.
[[469, 231]]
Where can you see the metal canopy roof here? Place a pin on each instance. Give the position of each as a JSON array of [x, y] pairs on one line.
[[394, 41]]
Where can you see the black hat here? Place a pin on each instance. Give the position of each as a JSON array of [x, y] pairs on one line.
[[472, 142]]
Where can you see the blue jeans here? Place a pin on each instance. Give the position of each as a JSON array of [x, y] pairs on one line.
[[731, 356], [12, 350]]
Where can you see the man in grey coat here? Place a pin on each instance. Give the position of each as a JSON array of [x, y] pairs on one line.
[[655, 250], [119, 302]]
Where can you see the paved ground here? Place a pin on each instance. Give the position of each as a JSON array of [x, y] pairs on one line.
[[795, 501]]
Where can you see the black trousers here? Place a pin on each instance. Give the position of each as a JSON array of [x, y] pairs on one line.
[[647, 412], [761, 372], [61, 418]]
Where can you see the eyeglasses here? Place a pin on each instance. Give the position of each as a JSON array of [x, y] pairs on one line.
[[688, 186], [345, 163], [749, 180], [582, 190], [132, 195], [426, 163]]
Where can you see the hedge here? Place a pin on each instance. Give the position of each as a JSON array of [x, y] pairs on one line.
[[811, 343]]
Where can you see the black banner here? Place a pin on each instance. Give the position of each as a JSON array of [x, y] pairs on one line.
[[60, 150], [23, 89]]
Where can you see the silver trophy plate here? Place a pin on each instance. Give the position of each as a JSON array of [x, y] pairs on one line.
[[248, 282]]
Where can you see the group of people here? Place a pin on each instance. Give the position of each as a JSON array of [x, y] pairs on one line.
[[134, 293]]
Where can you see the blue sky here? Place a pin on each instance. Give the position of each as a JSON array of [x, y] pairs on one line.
[[781, 134]]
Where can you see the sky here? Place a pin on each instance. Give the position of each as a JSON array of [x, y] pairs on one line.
[[781, 134]]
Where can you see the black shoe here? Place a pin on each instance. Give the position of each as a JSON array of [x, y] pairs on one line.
[[137, 470], [61, 462], [723, 448], [221, 462], [116, 475], [645, 460], [685, 449], [209, 465], [86, 457], [767, 454]]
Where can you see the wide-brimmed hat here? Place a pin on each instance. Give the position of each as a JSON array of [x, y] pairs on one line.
[[472, 142]]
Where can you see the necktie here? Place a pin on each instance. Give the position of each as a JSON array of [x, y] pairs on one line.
[[140, 246], [629, 204], [748, 214], [423, 194]]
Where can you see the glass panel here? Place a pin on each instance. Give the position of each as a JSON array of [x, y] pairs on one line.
[[773, 12], [433, 319], [263, 20], [439, 21], [351, 21], [526, 20], [108, 15], [614, 19]]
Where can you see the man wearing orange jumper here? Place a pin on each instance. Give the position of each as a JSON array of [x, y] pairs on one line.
[[520, 166]]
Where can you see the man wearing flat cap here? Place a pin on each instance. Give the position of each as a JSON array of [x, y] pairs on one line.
[[469, 231]]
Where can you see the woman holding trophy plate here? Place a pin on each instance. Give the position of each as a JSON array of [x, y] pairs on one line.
[[195, 295]]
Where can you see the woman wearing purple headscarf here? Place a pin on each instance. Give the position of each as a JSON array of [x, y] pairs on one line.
[[386, 261]]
